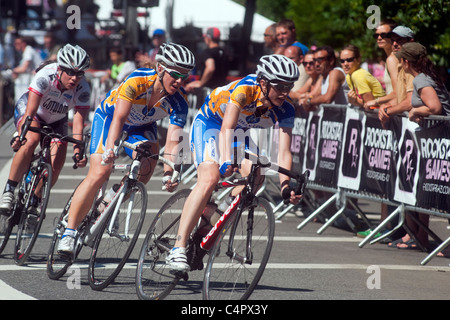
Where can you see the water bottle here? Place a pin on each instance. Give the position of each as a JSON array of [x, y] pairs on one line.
[[107, 198], [99, 216], [210, 238], [206, 222]]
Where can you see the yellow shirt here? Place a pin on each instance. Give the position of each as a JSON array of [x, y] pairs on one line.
[[362, 81]]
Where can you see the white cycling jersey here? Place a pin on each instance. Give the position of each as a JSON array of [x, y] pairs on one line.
[[55, 104]]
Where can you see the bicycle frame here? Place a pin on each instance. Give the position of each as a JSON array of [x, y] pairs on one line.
[[245, 198]]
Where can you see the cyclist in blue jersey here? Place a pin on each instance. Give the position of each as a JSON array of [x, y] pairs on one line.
[[144, 97], [256, 101]]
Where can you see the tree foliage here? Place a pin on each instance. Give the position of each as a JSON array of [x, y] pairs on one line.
[[341, 22]]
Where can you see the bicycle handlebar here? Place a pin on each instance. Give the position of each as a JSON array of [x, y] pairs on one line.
[[48, 131], [144, 150]]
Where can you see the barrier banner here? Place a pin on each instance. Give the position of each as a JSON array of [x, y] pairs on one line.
[[407, 164], [299, 137], [351, 159], [325, 134], [433, 189], [378, 163]]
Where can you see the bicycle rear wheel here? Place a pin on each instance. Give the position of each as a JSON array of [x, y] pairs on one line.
[[32, 217], [112, 248], [231, 278], [153, 279]]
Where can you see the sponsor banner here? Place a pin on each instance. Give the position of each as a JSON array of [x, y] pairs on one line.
[[351, 155], [378, 172], [299, 137], [433, 188], [407, 164]]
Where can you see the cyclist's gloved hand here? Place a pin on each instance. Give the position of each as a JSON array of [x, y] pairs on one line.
[[168, 185], [289, 196], [108, 156]]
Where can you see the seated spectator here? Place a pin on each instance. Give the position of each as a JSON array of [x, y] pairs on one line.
[[363, 85]]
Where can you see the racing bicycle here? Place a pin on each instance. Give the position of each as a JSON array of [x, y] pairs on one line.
[[239, 244], [113, 232], [33, 192]]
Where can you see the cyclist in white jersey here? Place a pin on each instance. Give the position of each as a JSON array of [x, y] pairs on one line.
[[55, 89]]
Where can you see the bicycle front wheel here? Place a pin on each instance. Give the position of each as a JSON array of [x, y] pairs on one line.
[[228, 275], [116, 240], [153, 279], [33, 216], [57, 264]]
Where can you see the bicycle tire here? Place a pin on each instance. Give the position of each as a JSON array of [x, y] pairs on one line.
[[30, 224], [153, 280], [57, 265], [226, 278], [111, 252], [5, 231]]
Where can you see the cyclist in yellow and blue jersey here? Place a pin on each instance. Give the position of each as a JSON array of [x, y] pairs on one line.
[[256, 101], [145, 96]]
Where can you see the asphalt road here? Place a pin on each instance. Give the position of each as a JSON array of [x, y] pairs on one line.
[[303, 265]]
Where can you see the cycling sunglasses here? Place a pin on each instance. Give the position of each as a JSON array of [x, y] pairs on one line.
[[71, 72], [281, 87], [175, 74]]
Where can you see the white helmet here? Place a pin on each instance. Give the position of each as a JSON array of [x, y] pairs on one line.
[[175, 55], [277, 67], [73, 57]]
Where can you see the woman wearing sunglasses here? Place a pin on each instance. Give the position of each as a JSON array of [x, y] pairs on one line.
[[144, 97], [57, 87], [256, 101], [363, 85]]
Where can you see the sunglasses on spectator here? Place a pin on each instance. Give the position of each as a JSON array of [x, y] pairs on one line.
[[320, 59], [175, 74], [280, 87], [71, 72], [347, 59], [307, 63], [383, 35]]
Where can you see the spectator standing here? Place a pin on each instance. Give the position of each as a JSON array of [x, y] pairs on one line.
[[363, 85], [158, 38], [383, 35], [287, 36], [213, 63], [51, 47], [31, 59], [120, 68], [334, 86], [429, 97], [313, 85], [404, 85], [295, 53], [270, 39]]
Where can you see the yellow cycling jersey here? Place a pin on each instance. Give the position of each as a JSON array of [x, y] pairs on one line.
[[137, 89], [247, 95]]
